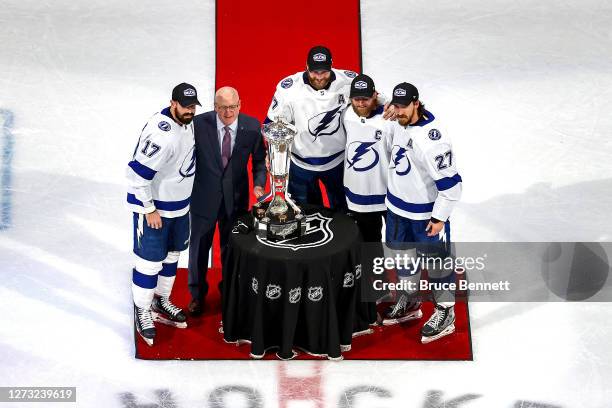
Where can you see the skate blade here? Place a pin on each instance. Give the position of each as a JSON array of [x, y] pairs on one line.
[[161, 319], [449, 330], [412, 316], [146, 340]]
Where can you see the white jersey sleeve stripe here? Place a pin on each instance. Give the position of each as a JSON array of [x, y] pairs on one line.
[[361, 199], [317, 161], [161, 205], [142, 170], [410, 207], [448, 182]]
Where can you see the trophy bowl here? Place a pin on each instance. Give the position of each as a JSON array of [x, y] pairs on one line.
[[276, 216]]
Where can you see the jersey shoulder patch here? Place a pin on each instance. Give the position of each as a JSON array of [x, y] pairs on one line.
[[286, 83], [165, 126], [434, 134], [350, 74]]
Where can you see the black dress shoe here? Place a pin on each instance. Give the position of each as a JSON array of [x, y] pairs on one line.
[[195, 308]]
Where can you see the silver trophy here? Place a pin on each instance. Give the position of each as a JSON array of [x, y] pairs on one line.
[[276, 215]]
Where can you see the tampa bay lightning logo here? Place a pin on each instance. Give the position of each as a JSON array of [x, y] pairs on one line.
[[326, 123], [434, 134], [400, 162], [361, 156], [287, 83], [189, 164], [163, 125]]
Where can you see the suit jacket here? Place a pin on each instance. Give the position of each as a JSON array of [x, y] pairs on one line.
[[212, 183]]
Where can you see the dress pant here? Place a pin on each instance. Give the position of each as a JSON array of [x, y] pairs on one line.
[[202, 233]]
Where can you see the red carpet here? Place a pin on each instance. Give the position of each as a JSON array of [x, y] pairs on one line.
[[202, 340], [257, 44]]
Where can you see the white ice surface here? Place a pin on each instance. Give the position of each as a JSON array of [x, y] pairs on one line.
[[524, 88]]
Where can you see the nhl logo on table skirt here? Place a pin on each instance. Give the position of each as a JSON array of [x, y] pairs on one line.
[[349, 280], [273, 291], [318, 233], [295, 295], [315, 293]]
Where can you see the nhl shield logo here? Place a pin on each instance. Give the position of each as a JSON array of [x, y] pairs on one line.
[[273, 291], [315, 293], [295, 295], [254, 285], [318, 233], [349, 280]]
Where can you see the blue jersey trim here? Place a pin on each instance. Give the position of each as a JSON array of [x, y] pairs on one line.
[[427, 117], [161, 205], [410, 207], [379, 110], [267, 120], [144, 281], [142, 170], [361, 199], [317, 161], [448, 182], [166, 112]]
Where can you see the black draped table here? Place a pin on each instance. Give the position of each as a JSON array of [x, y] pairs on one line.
[[299, 293]]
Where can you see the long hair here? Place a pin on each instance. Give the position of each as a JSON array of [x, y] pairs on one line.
[[421, 109]]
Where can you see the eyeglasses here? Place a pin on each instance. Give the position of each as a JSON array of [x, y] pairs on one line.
[[228, 108]]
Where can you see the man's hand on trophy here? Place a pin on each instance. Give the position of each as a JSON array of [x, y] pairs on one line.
[[258, 190], [389, 113]]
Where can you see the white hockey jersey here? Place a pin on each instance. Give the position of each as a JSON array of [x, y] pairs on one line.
[[160, 175], [423, 178], [366, 160], [319, 144]]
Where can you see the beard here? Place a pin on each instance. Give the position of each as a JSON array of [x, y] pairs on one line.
[[403, 120], [185, 119]]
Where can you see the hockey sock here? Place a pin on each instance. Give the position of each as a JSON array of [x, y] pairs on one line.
[[167, 275], [144, 281]]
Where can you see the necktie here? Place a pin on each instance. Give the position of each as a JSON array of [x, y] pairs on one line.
[[226, 147]]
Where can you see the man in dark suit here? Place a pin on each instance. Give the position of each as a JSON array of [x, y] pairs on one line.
[[224, 138]]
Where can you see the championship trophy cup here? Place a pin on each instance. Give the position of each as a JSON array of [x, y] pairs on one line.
[[276, 216]]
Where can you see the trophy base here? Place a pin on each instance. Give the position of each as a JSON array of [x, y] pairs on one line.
[[277, 227]]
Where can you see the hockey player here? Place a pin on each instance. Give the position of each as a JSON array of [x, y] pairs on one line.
[[423, 187], [313, 100], [160, 179], [365, 171], [366, 158]]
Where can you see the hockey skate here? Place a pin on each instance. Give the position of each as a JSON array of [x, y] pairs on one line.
[[166, 313], [440, 324], [402, 311], [144, 324]]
